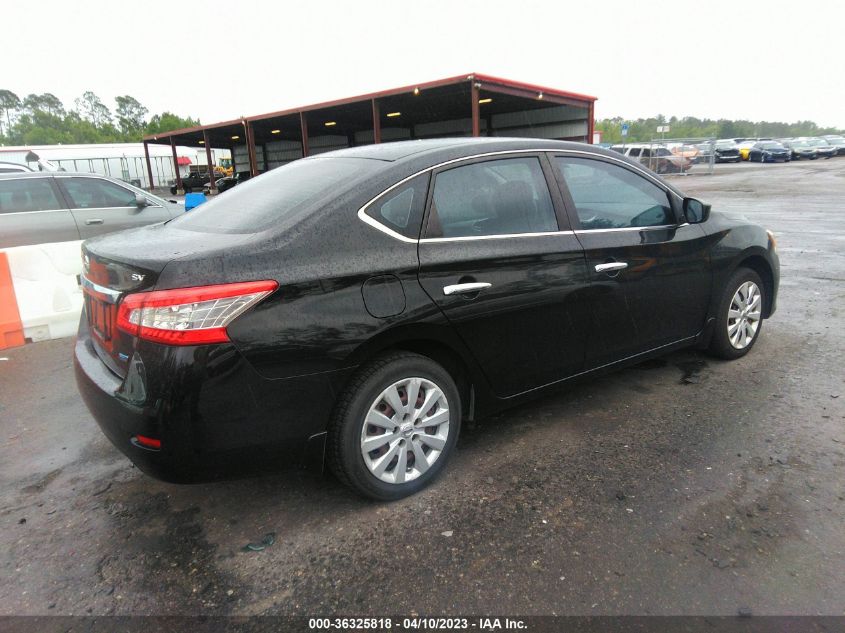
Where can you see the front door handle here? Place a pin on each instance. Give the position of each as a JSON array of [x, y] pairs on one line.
[[458, 289], [94, 221], [611, 267]]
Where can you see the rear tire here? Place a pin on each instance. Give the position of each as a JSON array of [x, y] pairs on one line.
[[411, 436], [740, 315]]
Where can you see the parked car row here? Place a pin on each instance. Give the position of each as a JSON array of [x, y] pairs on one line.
[[767, 150], [809, 147]]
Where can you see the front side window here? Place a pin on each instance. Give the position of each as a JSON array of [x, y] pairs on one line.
[[27, 194], [402, 208], [496, 197], [611, 197], [94, 193]]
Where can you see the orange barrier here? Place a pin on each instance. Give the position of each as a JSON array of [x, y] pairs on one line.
[[11, 328]]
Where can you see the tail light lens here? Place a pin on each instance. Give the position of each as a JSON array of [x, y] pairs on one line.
[[189, 316]]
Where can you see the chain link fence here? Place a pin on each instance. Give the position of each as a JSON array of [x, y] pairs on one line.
[[677, 156]]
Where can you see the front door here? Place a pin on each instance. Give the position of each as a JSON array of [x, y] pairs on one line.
[[649, 273], [494, 259], [101, 206]]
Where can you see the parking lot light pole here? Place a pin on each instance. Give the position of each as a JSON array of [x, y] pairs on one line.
[[212, 183], [180, 190], [376, 123], [150, 185], [303, 125]]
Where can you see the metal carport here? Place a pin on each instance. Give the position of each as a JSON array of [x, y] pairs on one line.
[[466, 105]]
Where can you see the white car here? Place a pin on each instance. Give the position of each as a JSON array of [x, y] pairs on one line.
[[12, 168]]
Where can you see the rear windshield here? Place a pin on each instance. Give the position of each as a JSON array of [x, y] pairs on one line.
[[277, 196]]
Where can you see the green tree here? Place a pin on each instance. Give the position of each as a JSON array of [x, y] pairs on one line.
[[130, 116], [92, 109], [46, 102], [167, 121], [9, 102]]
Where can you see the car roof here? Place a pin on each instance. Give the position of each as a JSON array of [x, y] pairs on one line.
[[430, 148]]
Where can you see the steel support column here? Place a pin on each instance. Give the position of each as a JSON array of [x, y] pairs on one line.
[[180, 190], [591, 123], [376, 122], [303, 125], [250, 147], [212, 183], [149, 165], [476, 123]]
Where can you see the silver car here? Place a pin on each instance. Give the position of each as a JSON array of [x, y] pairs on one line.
[[41, 207]]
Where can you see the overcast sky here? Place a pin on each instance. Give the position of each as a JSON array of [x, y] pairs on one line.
[[758, 60]]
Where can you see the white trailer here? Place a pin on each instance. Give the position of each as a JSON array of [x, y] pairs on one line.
[[118, 160]]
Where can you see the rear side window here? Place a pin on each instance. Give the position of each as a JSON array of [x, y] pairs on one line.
[[611, 197], [94, 193], [27, 194], [402, 208], [496, 197], [280, 196]]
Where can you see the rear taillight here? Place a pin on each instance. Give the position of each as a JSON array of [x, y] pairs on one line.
[[189, 316]]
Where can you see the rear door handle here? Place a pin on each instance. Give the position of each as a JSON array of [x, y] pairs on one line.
[[610, 267], [94, 221], [458, 289]]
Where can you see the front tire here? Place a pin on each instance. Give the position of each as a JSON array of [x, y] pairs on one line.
[[395, 426], [740, 316]]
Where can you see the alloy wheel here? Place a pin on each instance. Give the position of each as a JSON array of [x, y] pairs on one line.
[[744, 315], [405, 430]]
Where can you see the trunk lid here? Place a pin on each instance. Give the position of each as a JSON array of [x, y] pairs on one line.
[[119, 264]]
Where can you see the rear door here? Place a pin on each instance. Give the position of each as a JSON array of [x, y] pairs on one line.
[[495, 260], [102, 206], [649, 274], [32, 212]]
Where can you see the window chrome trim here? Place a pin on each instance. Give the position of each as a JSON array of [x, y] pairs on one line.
[[3, 214], [658, 227], [366, 219], [472, 238]]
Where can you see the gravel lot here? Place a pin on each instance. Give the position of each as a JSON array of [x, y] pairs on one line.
[[681, 486]]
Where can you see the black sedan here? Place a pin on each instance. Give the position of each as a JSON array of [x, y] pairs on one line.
[[769, 152], [799, 149], [227, 182], [837, 142], [822, 147], [726, 151], [357, 307]]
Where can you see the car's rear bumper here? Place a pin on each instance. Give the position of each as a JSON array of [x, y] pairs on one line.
[[214, 415]]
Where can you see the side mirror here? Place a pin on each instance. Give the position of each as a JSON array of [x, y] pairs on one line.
[[695, 211], [141, 201]]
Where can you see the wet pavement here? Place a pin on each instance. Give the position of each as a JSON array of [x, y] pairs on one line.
[[684, 485]]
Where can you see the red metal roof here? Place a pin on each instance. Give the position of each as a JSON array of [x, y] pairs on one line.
[[482, 78]]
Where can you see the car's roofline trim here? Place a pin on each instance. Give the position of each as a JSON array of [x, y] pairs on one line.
[[366, 219]]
